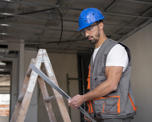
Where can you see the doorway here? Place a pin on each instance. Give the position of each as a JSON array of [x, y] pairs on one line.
[[5, 83], [83, 63]]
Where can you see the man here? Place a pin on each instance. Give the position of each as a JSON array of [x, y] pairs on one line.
[[110, 97]]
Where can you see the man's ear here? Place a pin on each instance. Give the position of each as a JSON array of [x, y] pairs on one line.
[[101, 25]]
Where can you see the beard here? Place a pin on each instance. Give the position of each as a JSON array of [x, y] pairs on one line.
[[95, 39]]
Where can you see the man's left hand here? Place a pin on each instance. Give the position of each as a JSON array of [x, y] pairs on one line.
[[76, 101]]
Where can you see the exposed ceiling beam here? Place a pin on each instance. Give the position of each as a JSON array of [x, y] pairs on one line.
[[77, 9], [138, 27], [135, 30], [140, 2], [35, 3], [46, 4], [55, 42], [33, 28], [115, 14], [108, 7]]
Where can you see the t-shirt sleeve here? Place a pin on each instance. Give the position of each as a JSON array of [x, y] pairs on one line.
[[117, 57]]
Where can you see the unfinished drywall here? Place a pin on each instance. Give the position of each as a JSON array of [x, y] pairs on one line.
[[141, 47], [62, 64]]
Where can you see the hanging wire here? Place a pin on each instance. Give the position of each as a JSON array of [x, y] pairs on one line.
[[61, 18]]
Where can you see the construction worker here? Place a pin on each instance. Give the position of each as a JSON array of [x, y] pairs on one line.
[[110, 97]]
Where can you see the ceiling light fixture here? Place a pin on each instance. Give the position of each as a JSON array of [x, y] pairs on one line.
[[7, 14], [4, 34], [2, 63], [5, 25], [7, 0]]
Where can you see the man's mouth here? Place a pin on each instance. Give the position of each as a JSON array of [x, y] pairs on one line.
[[90, 38]]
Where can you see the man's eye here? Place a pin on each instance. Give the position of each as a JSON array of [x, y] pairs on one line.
[[90, 28]]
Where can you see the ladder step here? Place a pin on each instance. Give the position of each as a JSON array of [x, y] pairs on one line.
[[48, 99]]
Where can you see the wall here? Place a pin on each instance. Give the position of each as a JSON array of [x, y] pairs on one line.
[[62, 64], [141, 47]]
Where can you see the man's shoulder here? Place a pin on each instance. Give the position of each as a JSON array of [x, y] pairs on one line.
[[118, 48]]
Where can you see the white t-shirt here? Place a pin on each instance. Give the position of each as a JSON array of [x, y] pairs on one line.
[[116, 57]]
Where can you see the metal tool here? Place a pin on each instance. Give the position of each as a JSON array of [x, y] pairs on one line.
[[52, 84]]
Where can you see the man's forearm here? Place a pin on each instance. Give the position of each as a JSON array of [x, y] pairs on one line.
[[101, 90]]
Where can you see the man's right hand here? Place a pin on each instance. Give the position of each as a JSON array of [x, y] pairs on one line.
[[87, 119]]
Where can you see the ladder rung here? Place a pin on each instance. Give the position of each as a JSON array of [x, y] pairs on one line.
[[48, 99], [20, 98]]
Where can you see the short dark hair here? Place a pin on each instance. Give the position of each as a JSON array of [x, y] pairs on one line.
[[99, 21]]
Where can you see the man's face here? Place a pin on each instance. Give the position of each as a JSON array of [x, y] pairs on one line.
[[92, 33]]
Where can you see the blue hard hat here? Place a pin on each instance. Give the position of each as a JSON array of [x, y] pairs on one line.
[[88, 17]]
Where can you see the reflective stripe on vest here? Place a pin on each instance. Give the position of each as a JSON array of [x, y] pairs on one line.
[[132, 103], [118, 103], [90, 107], [88, 79]]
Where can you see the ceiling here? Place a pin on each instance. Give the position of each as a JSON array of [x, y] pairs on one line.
[[52, 24]]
